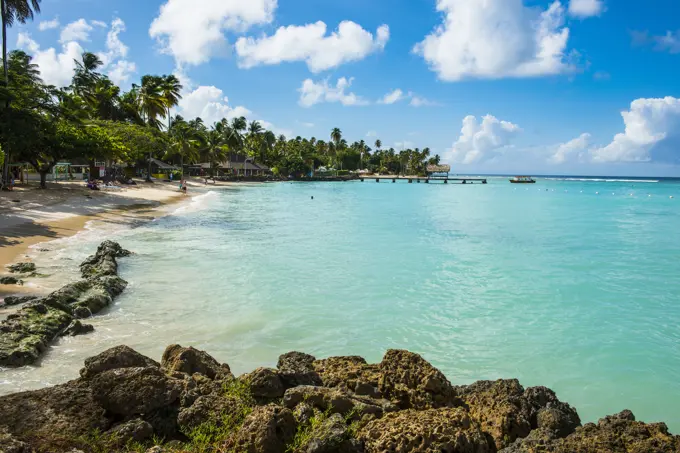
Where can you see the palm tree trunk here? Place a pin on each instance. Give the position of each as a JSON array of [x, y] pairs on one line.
[[3, 13]]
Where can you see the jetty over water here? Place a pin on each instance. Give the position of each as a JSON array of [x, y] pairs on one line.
[[435, 173], [426, 179]]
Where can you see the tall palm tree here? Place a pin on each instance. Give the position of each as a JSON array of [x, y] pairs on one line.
[[215, 149], [12, 11], [85, 76], [378, 144], [15, 11], [171, 89], [185, 142], [152, 105], [336, 136]]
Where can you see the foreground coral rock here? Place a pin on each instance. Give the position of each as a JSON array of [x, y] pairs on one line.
[[190, 402], [26, 334]]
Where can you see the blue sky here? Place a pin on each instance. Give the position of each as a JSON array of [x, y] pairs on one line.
[[501, 86]]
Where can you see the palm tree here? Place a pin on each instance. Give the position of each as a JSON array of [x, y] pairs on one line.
[[378, 144], [215, 149], [184, 142], [152, 104], [85, 77], [336, 136], [13, 11], [171, 89]]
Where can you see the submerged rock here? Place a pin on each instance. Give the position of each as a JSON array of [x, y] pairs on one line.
[[18, 300], [21, 268], [25, 335], [77, 328], [103, 262], [11, 280]]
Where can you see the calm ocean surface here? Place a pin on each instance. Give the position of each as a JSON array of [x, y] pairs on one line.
[[571, 284]]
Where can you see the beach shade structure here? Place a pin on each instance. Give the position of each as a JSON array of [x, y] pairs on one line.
[[435, 171], [160, 168]]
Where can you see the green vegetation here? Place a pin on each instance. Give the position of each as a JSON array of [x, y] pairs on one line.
[[94, 120], [211, 435]]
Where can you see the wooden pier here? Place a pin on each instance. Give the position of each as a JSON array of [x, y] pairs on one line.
[[426, 179]]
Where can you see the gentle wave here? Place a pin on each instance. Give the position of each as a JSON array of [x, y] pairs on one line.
[[603, 180], [198, 203]]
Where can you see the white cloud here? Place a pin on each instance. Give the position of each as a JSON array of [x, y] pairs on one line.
[[193, 33], [371, 134], [496, 39], [481, 140], [116, 66], [210, 104], [417, 101], [49, 24], [310, 44], [99, 23], [312, 93], [76, 31], [652, 133], [310, 125], [55, 68], [392, 97], [276, 130], [121, 71], [571, 150], [585, 8]]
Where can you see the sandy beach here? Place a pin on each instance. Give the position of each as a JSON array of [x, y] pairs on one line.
[[29, 215]]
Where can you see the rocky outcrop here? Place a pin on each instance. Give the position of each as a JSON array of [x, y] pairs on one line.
[[194, 403], [18, 300], [25, 335], [190, 361], [21, 268], [411, 382], [507, 411], [449, 430], [297, 368], [10, 280], [618, 433]]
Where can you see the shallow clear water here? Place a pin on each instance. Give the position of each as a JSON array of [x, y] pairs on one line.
[[563, 287]]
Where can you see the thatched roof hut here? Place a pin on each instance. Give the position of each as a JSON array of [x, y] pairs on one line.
[[438, 169]]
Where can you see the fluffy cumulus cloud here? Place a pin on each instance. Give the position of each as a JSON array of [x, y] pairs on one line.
[[76, 31], [193, 33], [571, 151], [309, 43], [312, 93], [652, 133], [392, 97], [49, 24], [496, 39], [585, 8], [56, 67], [481, 140], [113, 59], [210, 104]]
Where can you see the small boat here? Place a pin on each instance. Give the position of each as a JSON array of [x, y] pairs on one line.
[[523, 180]]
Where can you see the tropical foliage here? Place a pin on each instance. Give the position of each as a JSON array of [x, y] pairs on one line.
[[94, 119]]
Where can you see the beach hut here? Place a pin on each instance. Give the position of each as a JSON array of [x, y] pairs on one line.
[[438, 171], [160, 169]]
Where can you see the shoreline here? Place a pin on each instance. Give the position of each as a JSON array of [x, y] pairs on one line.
[[65, 209]]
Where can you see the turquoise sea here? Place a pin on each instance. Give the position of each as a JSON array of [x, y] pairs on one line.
[[570, 283]]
